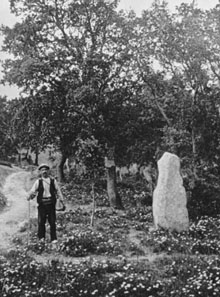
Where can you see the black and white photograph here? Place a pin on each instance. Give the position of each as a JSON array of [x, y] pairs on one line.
[[110, 148]]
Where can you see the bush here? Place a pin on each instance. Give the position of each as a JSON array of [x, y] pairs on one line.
[[205, 199], [202, 238], [83, 243]]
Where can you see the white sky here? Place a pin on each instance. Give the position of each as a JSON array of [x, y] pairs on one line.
[[137, 5]]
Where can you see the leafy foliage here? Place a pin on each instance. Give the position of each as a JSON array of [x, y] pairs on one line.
[[94, 77], [6, 148]]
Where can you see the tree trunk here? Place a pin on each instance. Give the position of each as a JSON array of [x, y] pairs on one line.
[[114, 198], [193, 135], [194, 168], [60, 166], [93, 206], [36, 157], [19, 159]]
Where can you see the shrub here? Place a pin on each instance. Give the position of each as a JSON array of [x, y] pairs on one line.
[[83, 243], [202, 238]]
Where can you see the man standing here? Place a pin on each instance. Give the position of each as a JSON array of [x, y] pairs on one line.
[[46, 189]]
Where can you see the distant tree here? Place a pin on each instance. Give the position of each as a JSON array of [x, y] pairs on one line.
[[6, 148], [184, 88]]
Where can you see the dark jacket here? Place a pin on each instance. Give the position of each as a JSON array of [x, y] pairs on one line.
[[53, 191]]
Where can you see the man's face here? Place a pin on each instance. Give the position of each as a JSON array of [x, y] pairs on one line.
[[44, 172]]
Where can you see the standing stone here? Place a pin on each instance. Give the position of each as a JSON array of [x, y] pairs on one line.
[[169, 197]]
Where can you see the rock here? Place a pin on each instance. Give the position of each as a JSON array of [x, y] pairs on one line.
[[169, 197], [23, 226]]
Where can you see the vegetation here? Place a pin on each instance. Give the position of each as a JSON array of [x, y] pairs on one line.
[[121, 255], [89, 83], [99, 85]]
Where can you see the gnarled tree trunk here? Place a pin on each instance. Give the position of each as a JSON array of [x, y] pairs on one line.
[[60, 166], [114, 197]]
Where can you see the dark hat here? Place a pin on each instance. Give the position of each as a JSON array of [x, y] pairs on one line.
[[43, 166]]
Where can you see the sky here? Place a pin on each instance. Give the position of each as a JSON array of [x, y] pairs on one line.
[[139, 5], [6, 18]]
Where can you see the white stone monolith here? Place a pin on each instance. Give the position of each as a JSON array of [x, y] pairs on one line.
[[169, 197]]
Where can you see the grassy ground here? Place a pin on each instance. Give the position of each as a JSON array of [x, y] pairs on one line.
[[120, 255]]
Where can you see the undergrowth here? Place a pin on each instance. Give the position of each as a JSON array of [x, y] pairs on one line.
[[155, 263]]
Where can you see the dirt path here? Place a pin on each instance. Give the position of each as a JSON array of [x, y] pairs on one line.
[[17, 211]]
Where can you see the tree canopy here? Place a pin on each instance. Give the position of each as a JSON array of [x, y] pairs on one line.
[[92, 74]]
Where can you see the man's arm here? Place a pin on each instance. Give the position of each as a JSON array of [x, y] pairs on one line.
[[33, 191]]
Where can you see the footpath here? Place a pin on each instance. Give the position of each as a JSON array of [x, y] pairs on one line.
[[17, 210]]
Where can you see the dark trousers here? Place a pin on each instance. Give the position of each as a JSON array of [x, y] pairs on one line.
[[47, 212]]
